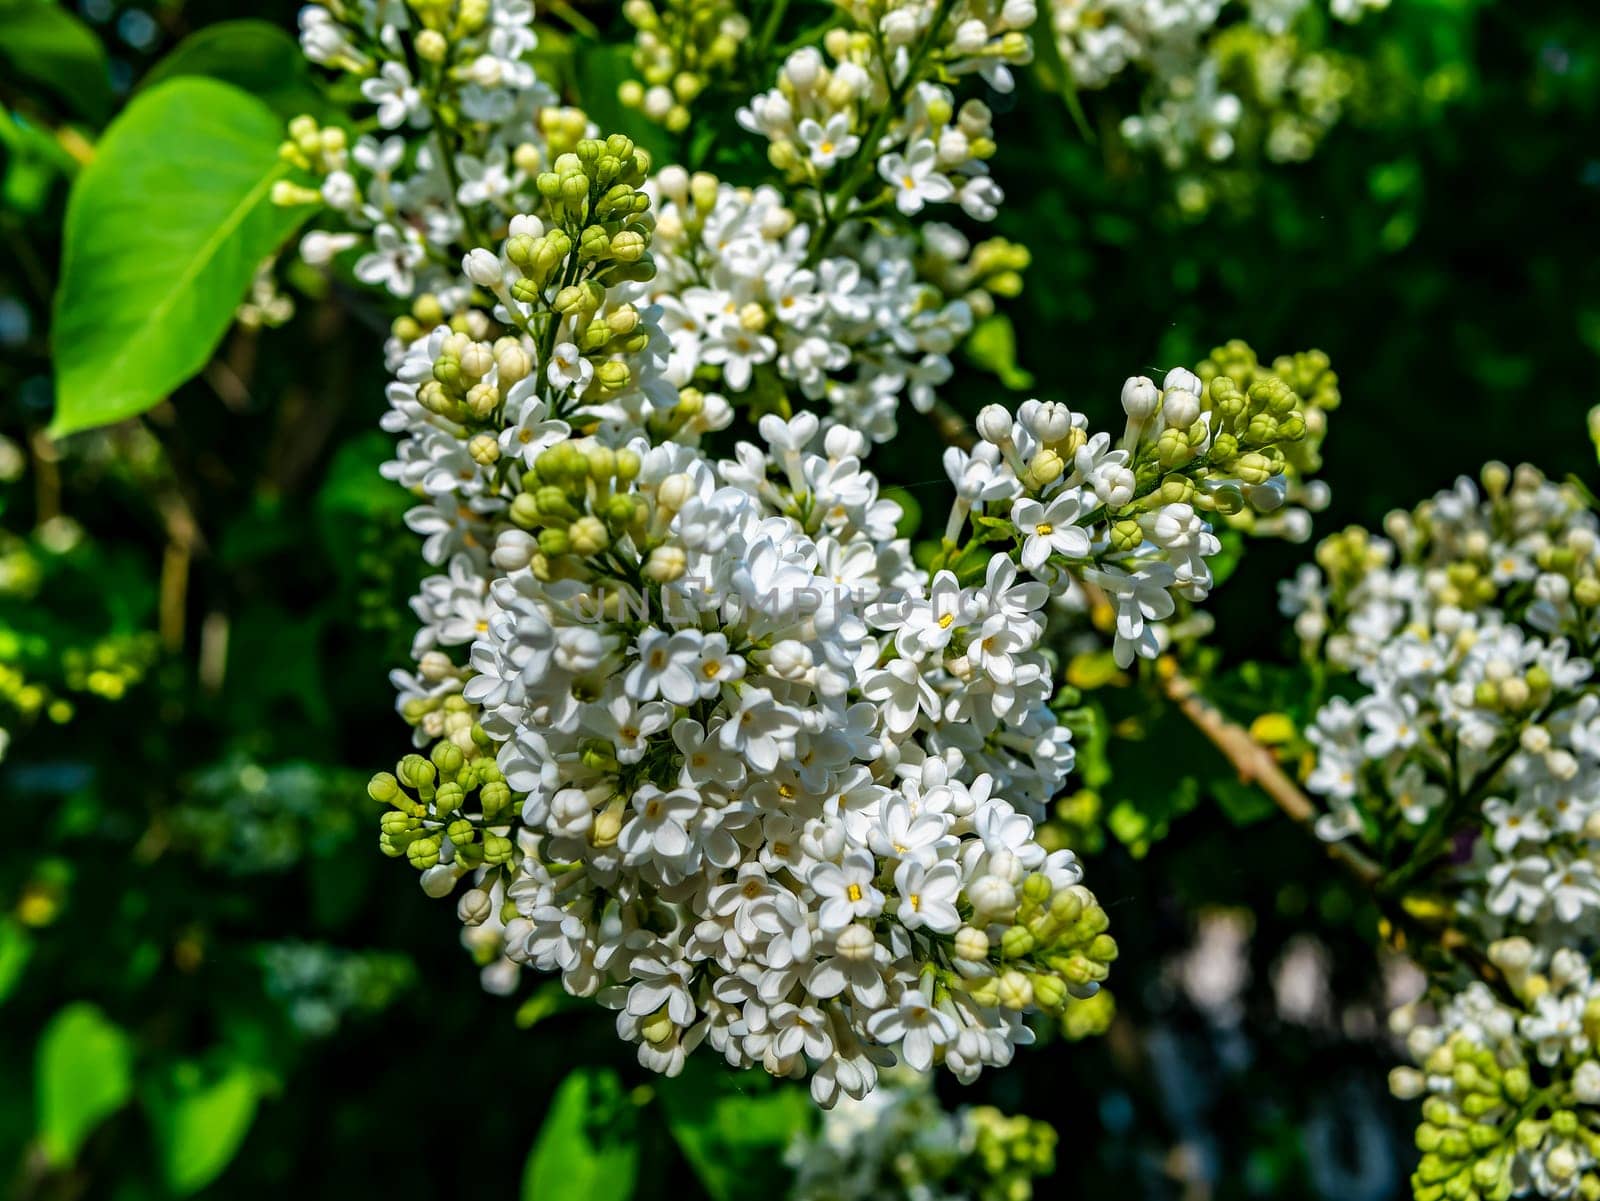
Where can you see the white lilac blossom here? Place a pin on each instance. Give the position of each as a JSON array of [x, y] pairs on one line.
[[1469, 632], [1465, 756], [869, 97], [698, 733], [747, 312], [898, 1142], [464, 125], [738, 767], [1219, 74], [757, 300]]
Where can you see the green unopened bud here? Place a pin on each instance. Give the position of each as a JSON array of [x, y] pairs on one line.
[[1045, 469], [613, 376], [1049, 992], [628, 247], [589, 536], [383, 788], [525, 510], [1016, 942], [1015, 989], [1126, 535]]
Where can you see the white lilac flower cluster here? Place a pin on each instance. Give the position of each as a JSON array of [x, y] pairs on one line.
[[681, 48], [748, 312], [1469, 631], [697, 733], [1471, 755], [924, 149], [467, 127], [1100, 39], [703, 736], [1217, 71], [899, 1142], [1509, 1081], [757, 301]]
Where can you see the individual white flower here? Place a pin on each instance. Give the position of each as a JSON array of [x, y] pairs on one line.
[[830, 142], [915, 177], [568, 370], [1050, 529], [915, 1025], [847, 891]]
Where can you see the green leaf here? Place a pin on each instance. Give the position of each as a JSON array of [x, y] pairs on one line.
[[255, 56], [199, 1123], [992, 346], [16, 947], [733, 1129], [83, 1074], [586, 1147], [164, 231], [48, 46]]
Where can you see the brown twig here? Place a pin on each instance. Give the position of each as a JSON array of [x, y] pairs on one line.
[[1257, 765]]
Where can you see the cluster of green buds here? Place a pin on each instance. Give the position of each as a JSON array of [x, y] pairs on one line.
[[991, 269], [313, 148], [426, 315], [446, 809], [471, 379], [1524, 527], [1054, 947], [1523, 516], [1509, 1082], [1349, 556], [1494, 1129], [681, 48], [600, 231], [447, 717], [1307, 374], [1011, 1150], [579, 504]]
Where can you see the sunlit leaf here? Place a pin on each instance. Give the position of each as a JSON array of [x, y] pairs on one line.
[[165, 229], [83, 1074], [586, 1147], [199, 1123]]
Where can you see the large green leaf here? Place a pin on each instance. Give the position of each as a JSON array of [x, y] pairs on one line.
[[199, 1122], [733, 1129], [83, 1074], [256, 56], [165, 229], [586, 1147], [47, 45]]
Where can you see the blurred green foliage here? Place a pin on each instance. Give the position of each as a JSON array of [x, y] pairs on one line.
[[209, 985]]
